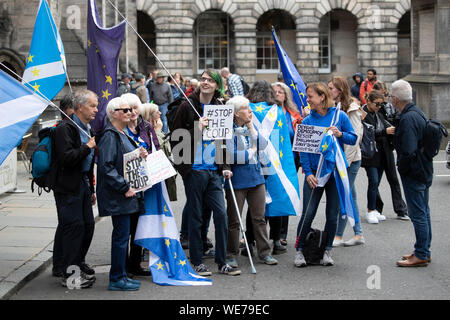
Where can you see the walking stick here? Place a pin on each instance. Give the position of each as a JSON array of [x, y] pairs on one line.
[[241, 226]]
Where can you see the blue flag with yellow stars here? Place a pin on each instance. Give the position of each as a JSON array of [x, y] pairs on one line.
[[277, 159], [103, 48], [290, 75], [45, 72], [158, 232]]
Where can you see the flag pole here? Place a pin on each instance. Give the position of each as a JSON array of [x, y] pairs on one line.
[[41, 95], [157, 58]]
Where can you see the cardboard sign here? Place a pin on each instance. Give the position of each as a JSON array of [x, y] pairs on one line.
[[136, 171], [220, 125], [8, 172], [159, 167], [307, 138]]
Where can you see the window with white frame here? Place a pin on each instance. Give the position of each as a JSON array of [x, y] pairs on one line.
[[266, 54], [325, 44], [212, 40]]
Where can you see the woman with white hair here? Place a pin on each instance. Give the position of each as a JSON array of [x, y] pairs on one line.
[[248, 182], [116, 198]]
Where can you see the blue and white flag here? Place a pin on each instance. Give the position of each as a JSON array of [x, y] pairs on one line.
[[157, 232], [282, 185], [332, 161], [19, 109], [45, 71]]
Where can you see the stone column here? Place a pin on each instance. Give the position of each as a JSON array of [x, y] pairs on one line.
[[245, 55], [174, 49]]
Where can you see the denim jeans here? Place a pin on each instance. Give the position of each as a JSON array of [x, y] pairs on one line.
[[163, 109], [417, 199], [207, 214], [205, 188], [119, 246], [374, 176], [331, 211], [352, 172]]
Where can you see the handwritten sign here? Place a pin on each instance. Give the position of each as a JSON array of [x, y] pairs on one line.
[[220, 124], [307, 138], [136, 171], [159, 167]]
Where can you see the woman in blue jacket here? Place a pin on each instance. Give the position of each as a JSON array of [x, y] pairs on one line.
[[322, 112], [248, 182]]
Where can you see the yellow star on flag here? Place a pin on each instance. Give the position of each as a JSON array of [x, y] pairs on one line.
[[281, 154], [182, 262], [271, 115], [342, 173], [324, 147], [205, 145], [276, 163], [164, 224], [165, 209], [106, 94], [160, 266], [167, 242], [259, 109], [36, 86], [282, 139], [89, 42], [30, 58], [35, 72], [108, 79], [280, 123]]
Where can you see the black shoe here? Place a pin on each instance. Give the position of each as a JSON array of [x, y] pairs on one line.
[[139, 272], [184, 242], [245, 253], [278, 248], [88, 271]]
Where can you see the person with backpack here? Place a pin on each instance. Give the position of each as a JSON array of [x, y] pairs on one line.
[[322, 114], [73, 170], [340, 92], [235, 83], [381, 161], [367, 85], [416, 170], [161, 94]]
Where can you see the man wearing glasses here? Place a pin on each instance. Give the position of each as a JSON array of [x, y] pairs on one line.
[[73, 167]]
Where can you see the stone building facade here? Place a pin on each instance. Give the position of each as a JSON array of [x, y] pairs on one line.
[[323, 38]]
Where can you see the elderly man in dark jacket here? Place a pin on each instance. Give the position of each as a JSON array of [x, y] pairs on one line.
[[201, 172], [116, 198], [73, 153], [416, 171]]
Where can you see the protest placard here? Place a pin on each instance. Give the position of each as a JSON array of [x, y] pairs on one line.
[[159, 167], [220, 124], [307, 138], [136, 171]]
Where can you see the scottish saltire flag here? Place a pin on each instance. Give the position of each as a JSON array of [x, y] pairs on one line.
[[282, 183], [157, 232], [290, 74], [332, 161], [19, 109], [103, 48], [45, 71]]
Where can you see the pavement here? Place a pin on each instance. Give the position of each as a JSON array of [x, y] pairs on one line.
[[28, 222]]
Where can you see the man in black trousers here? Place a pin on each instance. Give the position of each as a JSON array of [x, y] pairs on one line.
[[73, 187]]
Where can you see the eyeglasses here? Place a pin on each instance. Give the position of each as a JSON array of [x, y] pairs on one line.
[[209, 80], [125, 110]]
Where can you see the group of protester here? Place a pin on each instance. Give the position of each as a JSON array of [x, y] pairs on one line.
[[135, 122]]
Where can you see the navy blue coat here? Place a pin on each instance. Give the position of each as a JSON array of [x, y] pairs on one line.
[[408, 136], [111, 185]]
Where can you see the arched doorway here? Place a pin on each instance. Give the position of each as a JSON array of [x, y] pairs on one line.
[[267, 65], [12, 61], [146, 28], [338, 44], [404, 46]]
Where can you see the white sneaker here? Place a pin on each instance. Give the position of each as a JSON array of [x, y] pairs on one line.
[[371, 217], [379, 216], [326, 260], [299, 259], [338, 242], [354, 242]]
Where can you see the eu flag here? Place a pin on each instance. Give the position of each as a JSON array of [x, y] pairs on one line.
[[290, 75], [103, 48], [45, 72]]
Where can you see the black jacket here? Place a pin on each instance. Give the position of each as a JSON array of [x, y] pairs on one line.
[[384, 145], [68, 155], [185, 118], [408, 138], [111, 185]]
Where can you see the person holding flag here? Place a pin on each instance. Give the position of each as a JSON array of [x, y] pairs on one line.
[[324, 114]]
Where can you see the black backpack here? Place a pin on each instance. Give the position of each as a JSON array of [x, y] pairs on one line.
[[368, 144], [41, 161], [314, 246], [432, 137], [172, 109], [245, 86]]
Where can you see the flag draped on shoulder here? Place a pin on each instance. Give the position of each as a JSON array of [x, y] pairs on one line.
[[45, 71], [332, 161], [19, 109], [282, 185], [103, 48], [157, 232], [291, 75]]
